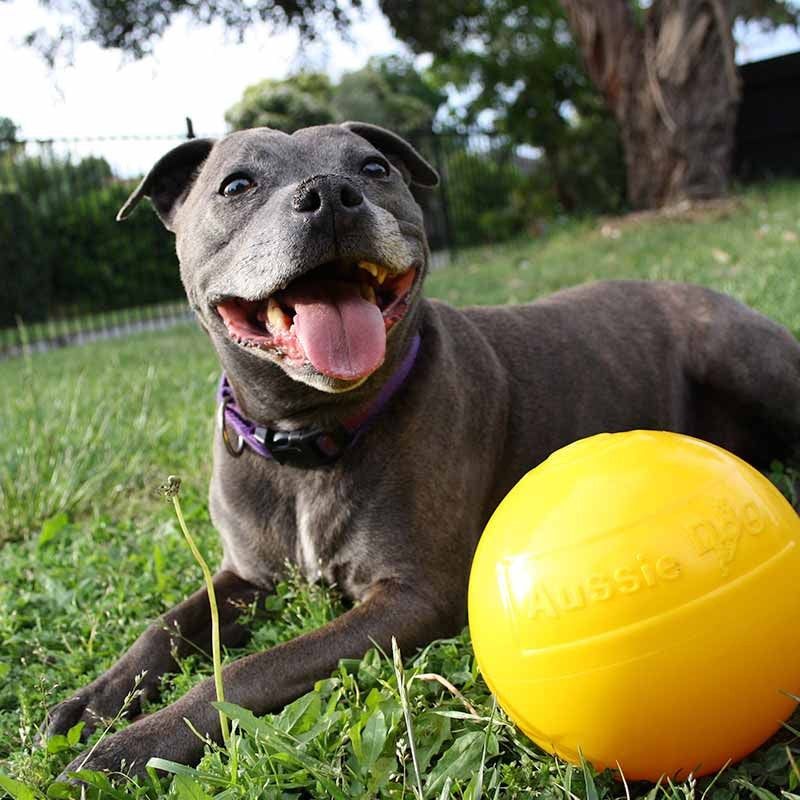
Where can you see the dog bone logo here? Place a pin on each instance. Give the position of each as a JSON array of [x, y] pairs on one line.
[[720, 532]]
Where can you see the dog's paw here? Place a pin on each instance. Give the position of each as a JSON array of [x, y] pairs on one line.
[[64, 716], [113, 756], [127, 752], [94, 705]]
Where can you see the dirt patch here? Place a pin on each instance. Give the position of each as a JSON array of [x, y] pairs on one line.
[[685, 211]]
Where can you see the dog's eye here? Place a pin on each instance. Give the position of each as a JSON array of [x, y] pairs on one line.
[[375, 168], [236, 184]]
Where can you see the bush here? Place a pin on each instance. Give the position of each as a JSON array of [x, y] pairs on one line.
[[61, 250], [21, 275], [481, 187]]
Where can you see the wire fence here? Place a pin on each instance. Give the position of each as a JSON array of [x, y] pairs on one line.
[[70, 273]]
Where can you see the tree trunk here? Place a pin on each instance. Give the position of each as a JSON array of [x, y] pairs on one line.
[[671, 81]]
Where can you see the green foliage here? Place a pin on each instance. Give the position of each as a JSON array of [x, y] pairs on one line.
[[404, 78], [519, 67], [491, 176], [587, 168], [22, 279], [135, 25], [768, 13], [388, 91], [433, 27], [517, 63], [62, 250], [286, 105], [494, 193], [367, 97], [8, 133]]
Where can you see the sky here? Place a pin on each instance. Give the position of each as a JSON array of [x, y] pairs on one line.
[[196, 70]]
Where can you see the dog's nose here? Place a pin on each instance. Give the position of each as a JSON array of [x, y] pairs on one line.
[[327, 192]]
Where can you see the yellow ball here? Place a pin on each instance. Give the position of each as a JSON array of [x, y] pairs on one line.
[[636, 599]]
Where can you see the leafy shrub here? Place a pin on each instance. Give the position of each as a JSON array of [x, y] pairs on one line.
[[480, 188], [61, 250]]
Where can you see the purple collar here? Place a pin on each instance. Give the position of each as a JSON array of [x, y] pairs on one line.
[[307, 447]]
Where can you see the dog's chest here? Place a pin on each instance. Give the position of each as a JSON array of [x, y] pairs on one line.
[[268, 515], [322, 517], [324, 521], [308, 540]]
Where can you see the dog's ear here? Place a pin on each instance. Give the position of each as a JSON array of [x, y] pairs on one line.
[[393, 147], [170, 179]]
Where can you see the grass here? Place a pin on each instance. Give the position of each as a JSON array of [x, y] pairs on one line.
[[91, 551], [90, 429], [750, 249]]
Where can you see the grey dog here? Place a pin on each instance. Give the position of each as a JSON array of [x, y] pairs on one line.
[[368, 433]]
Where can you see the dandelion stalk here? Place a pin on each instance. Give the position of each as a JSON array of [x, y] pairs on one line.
[[171, 490]]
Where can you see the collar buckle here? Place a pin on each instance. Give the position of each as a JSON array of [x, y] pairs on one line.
[[306, 447]]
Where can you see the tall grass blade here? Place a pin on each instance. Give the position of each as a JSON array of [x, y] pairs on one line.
[[401, 689]]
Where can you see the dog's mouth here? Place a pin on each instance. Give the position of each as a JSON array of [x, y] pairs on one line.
[[335, 317]]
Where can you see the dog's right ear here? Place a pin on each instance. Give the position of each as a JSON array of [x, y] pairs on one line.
[[170, 179]]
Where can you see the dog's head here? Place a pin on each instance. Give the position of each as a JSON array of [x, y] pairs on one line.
[[306, 250]]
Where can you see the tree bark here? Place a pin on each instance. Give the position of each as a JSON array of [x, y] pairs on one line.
[[671, 81]]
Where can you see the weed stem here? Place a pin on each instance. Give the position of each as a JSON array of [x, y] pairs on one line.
[[212, 602]]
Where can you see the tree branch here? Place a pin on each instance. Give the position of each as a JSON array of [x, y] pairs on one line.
[[607, 34], [723, 15]]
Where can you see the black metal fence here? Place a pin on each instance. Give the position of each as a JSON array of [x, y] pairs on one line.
[[67, 269], [768, 124], [484, 192], [70, 272]]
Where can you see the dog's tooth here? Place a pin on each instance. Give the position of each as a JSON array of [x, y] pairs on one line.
[[380, 273], [369, 267], [277, 319], [368, 293]]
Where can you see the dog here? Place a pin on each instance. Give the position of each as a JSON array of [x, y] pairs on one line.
[[367, 433]]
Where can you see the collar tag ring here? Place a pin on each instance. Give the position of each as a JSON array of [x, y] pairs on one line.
[[233, 450]]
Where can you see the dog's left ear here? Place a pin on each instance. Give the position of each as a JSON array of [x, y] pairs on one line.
[[170, 179], [395, 148]]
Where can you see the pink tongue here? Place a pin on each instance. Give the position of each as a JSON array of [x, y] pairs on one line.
[[342, 334]]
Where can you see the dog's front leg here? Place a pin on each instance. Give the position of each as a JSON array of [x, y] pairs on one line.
[[181, 631], [267, 681]]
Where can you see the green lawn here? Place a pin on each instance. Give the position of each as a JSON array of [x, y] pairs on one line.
[[90, 551], [751, 250]]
